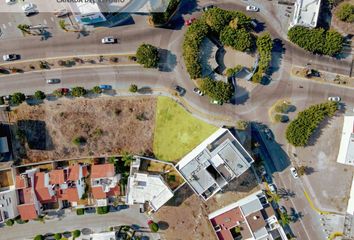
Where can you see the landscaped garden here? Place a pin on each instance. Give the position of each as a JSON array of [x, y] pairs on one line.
[[176, 131]]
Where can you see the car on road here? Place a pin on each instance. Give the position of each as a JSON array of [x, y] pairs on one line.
[[198, 91], [334, 99], [216, 102], [180, 90], [10, 57], [53, 80], [64, 91], [294, 172], [272, 188], [108, 40], [251, 8], [105, 87], [9, 2], [189, 21], [206, 8]]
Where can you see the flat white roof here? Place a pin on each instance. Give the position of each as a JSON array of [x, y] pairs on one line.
[[85, 7], [103, 236], [306, 13], [143, 187], [350, 207], [346, 149]]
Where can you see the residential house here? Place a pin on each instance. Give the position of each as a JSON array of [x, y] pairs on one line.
[[8, 204], [251, 218], [104, 183]]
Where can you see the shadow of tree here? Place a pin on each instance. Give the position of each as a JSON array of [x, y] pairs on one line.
[[168, 60]]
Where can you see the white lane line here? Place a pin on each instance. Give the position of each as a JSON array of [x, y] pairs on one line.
[[51, 18], [45, 22], [10, 24], [4, 26]]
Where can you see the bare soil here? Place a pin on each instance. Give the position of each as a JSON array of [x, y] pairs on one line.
[[106, 126], [346, 27], [185, 216]]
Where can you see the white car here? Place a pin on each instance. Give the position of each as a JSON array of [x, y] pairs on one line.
[[9, 57], [198, 91], [28, 6], [272, 188], [294, 172], [108, 40], [9, 2], [334, 99], [251, 8]]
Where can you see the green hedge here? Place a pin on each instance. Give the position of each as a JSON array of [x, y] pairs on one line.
[[217, 90], [161, 18], [303, 126], [80, 211], [317, 40], [238, 39], [102, 210], [9, 222]]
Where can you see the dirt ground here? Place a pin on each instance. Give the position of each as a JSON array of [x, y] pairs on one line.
[[185, 216], [348, 28], [106, 126]]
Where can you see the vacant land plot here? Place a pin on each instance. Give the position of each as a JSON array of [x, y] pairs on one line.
[[83, 127], [177, 132]]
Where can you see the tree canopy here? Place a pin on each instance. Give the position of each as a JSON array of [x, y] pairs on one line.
[[217, 90], [17, 98], [160, 18], [78, 91], [147, 55], [316, 40], [345, 12], [238, 39], [39, 95]]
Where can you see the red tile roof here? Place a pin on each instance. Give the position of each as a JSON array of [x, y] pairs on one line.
[[20, 182], [74, 172], [27, 195], [114, 191], [27, 211], [69, 194], [102, 170], [57, 176], [40, 189], [98, 192], [85, 171]]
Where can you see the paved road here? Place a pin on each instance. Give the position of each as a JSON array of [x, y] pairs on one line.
[[71, 222]]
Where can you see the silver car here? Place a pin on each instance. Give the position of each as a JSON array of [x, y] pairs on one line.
[[334, 99], [53, 81], [108, 40], [294, 173], [251, 8]]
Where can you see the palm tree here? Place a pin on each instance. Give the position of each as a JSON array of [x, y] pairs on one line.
[[62, 25], [24, 28], [284, 219], [127, 159]]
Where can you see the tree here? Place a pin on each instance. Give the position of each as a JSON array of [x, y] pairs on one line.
[[17, 98], [62, 24], [161, 18], [154, 227], [127, 159], [147, 55], [217, 90], [25, 28], [242, 124], [284, 219], [9, 222], [78, 91], [57, 236], [76, 233], [97, 90], [133, 88], [264, 47], [38, 237], [345, 12], [232, 71], [238, 39], [39, 95]]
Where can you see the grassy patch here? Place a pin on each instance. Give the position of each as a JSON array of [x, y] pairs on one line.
[[176, 131]]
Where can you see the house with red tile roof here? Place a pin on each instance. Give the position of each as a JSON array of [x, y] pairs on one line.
[[250, 218], [104, 183], [43, 188]]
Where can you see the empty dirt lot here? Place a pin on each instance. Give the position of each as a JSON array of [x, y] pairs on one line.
[[66, 128]]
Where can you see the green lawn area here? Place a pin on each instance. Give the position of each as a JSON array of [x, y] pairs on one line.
[[176, 131]]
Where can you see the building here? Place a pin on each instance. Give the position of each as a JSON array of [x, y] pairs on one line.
[[104, 183], [306, 13], [87, 12], [8, 204], [251, 218], [214, 163], [346, 149]]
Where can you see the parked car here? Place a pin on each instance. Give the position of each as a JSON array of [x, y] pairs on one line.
[[272, 188], [206, 8], [198, 91], [9, 2], [108, 40], [180, 90], [216, 102], [29, 9], [294, 172], [105, 87], [334, 99], [10, 57], [189, 21], [251, 8], [64, 91], [53, 80]]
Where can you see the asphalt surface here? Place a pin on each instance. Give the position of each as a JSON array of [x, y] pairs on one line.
[[253, 106]]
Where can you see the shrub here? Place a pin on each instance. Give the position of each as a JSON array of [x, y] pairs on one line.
[[76, 233], [133, 88], [39, 95], [57, 236], [80, 211], [257, 77], [97, 90], [113, 59], [78, 141], [264, 46], [102, 210], [17, 98], [232, 71], [217, 90], [147, 55], [160, 18], [154, 227], [238, 39], [78, 91], [282, 108], [38, 237], [9, 222], [2, 102], [281, 118], [242, 125], [316, 40], [345, 12], [302, 127]]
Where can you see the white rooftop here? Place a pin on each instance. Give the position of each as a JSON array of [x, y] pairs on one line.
[[103, 236], [346, 149], [306, 13], [144, 187]]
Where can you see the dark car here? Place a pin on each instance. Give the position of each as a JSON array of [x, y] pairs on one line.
[[180, 90]]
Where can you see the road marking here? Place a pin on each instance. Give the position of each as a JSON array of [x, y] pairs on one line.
[[10, 24], [51, 18], [4, 26], [45, 22], [314, 207]]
